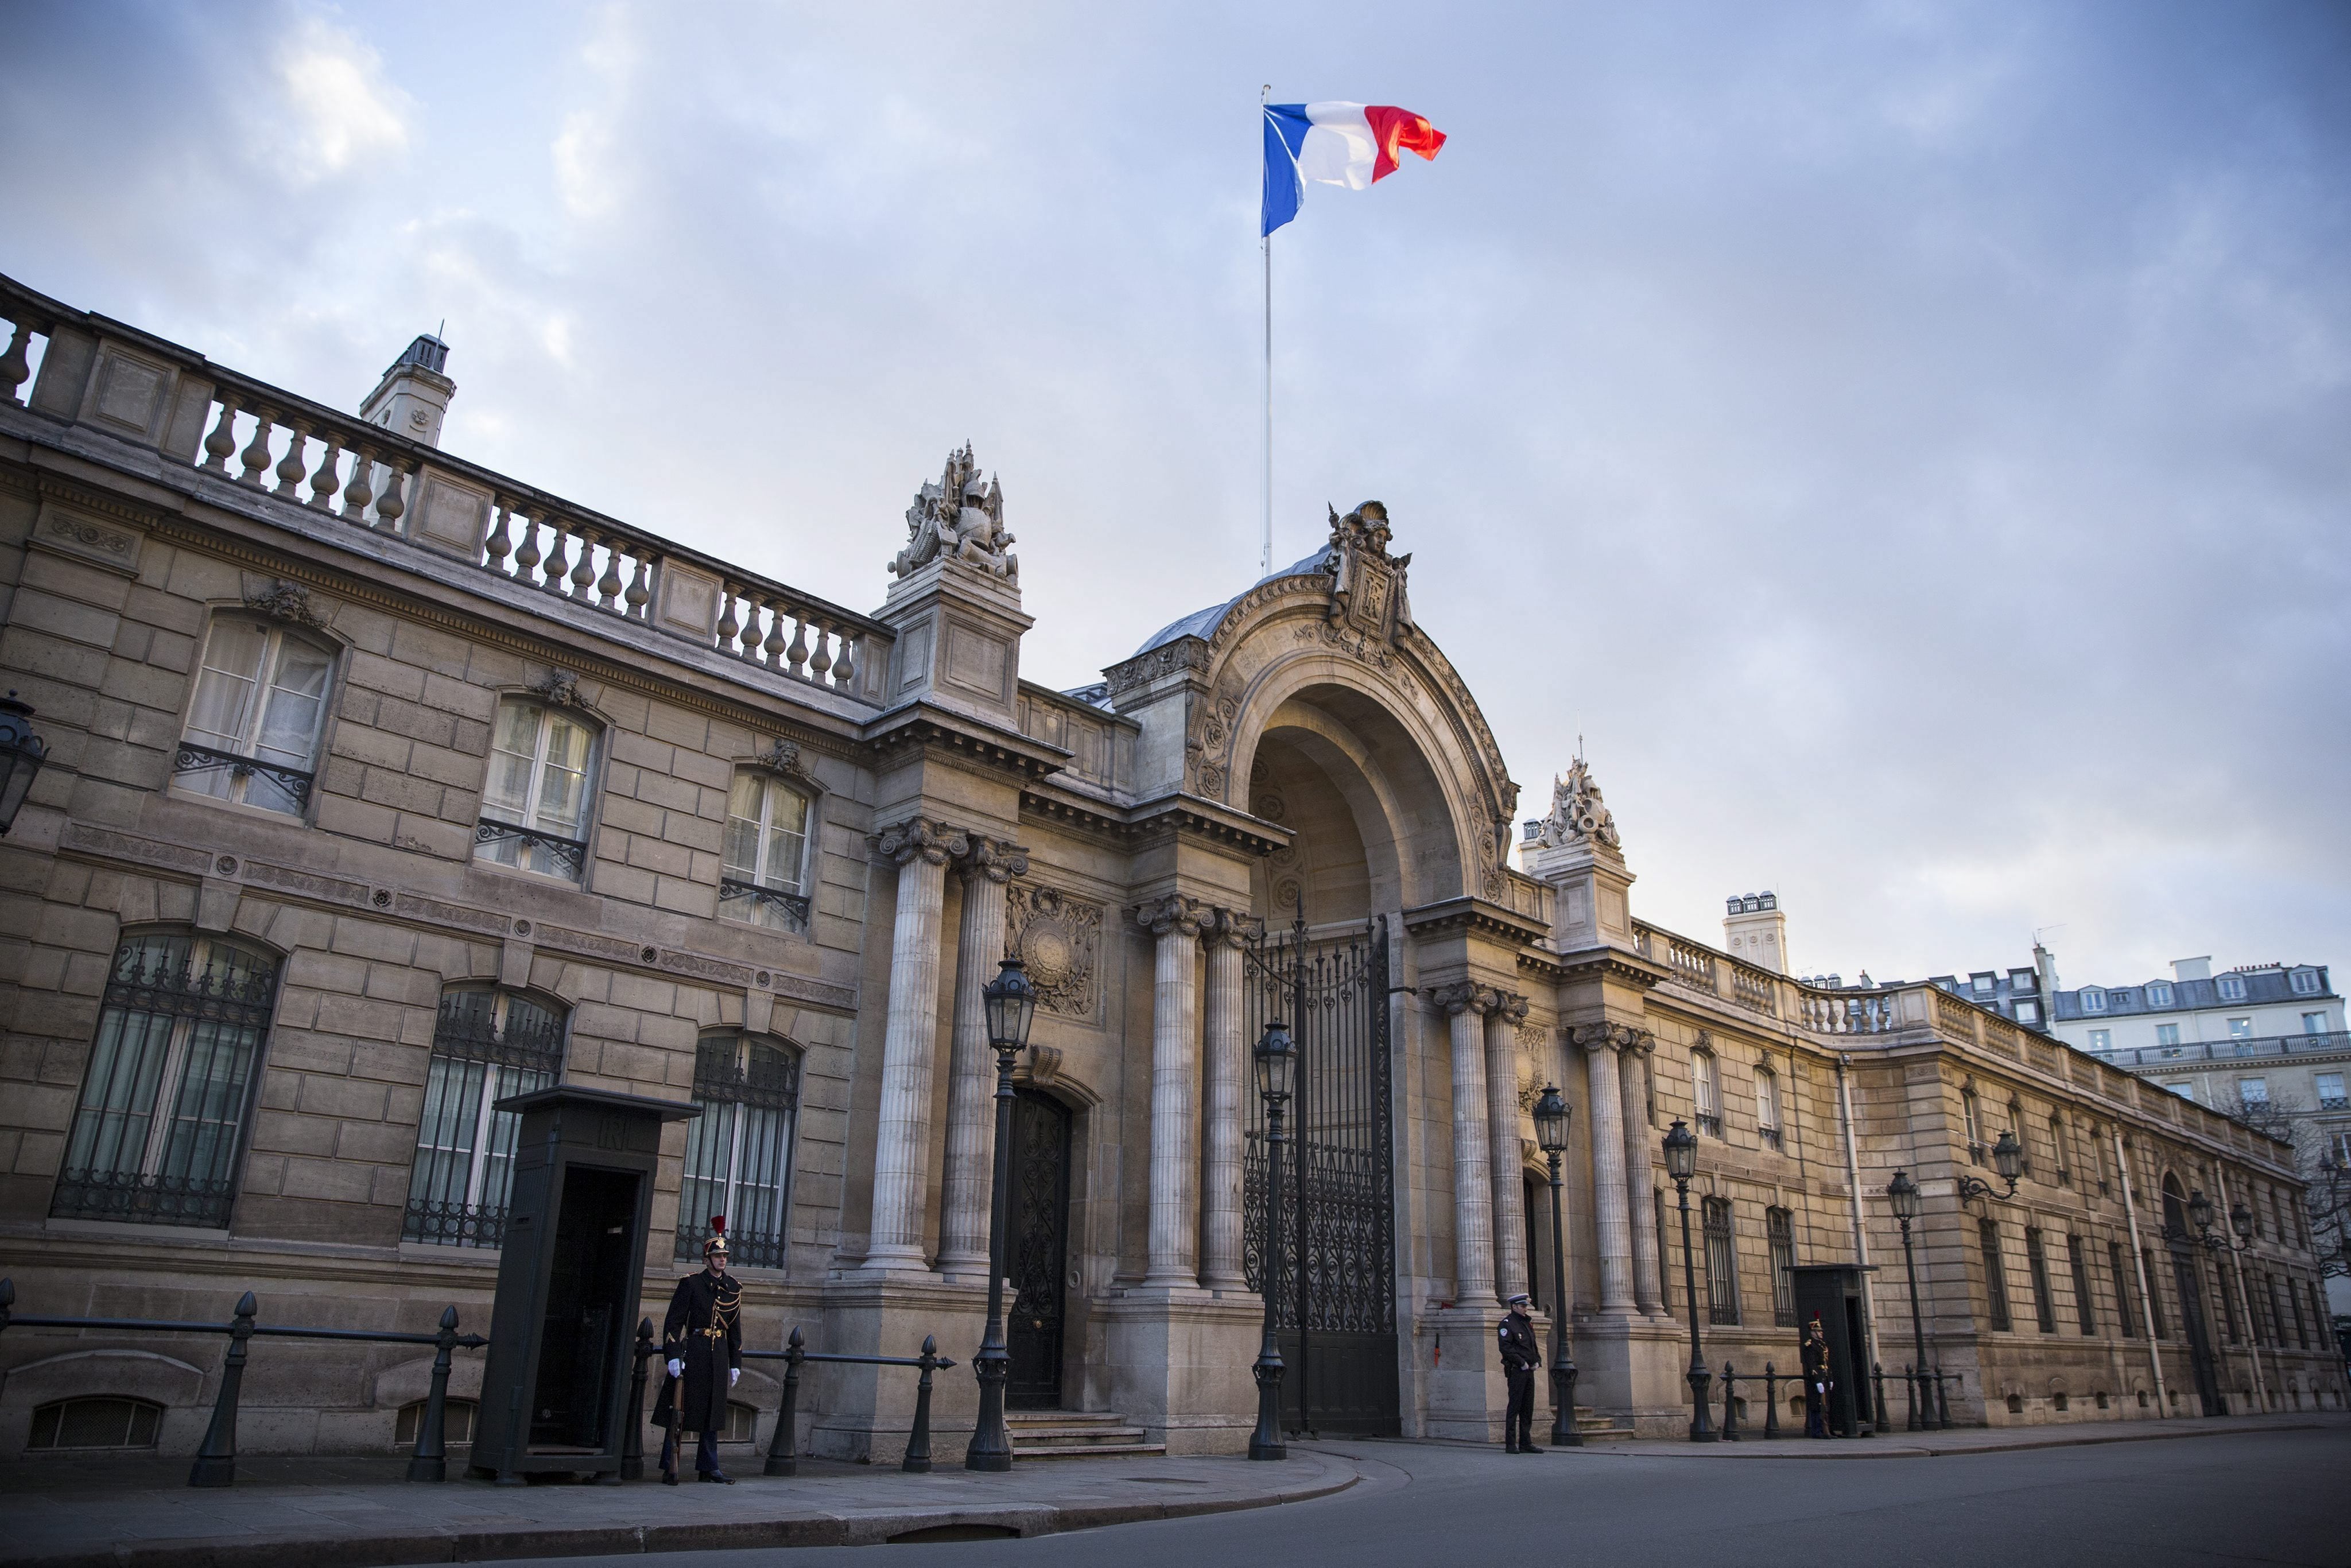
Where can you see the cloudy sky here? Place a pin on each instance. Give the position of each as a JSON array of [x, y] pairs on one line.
[[1909, 444]]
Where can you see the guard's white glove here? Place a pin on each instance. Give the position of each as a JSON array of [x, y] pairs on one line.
[[732, 1374], [677, 1367]]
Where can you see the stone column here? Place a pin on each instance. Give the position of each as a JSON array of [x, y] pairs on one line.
[[902, 1144], [1176, 921], [1473, 1205], [1612, 1220], [1229, 1078], [968, 1188], [1640, 1143], [1503, 1142]]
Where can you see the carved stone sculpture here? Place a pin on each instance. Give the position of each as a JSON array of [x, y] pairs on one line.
[[1578, 814], [1057, 936], [961, 518]]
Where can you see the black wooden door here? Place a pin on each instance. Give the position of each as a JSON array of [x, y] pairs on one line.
[[1337, 1314], [1037, 1251]]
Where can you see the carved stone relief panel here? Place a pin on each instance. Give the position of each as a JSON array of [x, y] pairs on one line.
[[1059, 938]]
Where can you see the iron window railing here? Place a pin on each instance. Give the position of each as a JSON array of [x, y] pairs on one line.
[[1781, 1226], [169, 1087], [294, 783], [792, 908], [565, 858], [1995, 1274], [1721, 1265], [486, 1045], [739, 1151]]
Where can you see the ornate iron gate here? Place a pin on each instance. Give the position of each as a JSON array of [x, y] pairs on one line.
[[1038, 1231], [1337, 1314]]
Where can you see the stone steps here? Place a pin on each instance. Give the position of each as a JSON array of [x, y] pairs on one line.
[[1076, 1434]]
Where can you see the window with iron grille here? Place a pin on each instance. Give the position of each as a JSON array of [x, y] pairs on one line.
[[535, 801], [2119, 1268], [739, 1151], [1781, 1226], [1995, 1273], [487, 1043], [2084, 1307], [766, 847], [2277, 1313], [1721, 1264], [2228, 1308], [2155, 1323], [253, 726], [2044, 1303], [1706, 1091], [169, 1088], [1767, 1106]]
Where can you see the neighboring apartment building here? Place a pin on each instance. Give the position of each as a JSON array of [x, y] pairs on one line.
[[381, 786]]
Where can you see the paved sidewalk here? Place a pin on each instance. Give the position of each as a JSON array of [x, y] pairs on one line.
[[1900, 1444], [357, 1513]]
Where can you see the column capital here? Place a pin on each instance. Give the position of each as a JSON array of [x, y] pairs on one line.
[[1507, 1004], [1462, 997], [1606, 1036], [1231, 928], [997, 860], [922, 838], [1175, 912]]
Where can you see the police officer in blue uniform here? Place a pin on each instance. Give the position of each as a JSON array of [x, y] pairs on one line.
[[1520, 1356]]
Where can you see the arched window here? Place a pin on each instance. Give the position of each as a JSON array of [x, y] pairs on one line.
[[739, 1151], [762, 880], [487, 1043], [1767, 1105], [1781, 1226], [1706, 1090], [253, 726], [1721, 1264], [535, 801], [94, 1423], [169, 1082], [1995, 1273]]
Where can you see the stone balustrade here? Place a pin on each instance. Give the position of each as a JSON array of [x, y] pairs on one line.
[[100, 374]]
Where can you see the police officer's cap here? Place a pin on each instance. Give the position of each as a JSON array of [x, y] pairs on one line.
[[1520, 1300]]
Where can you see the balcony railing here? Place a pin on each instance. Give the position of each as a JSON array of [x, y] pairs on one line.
[[129, 385], [2230, 1050]]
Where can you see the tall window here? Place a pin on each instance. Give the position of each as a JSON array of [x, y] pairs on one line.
[[2085, 1307], [2159, 995], [170, 1081], [2314, 1023], [2024, 1138], [2057, 1145], [2045, 1300], [487, 1044], [1971, 1114], [2254, 1090], [2228, 1306], [535, 801], [1781, 1225], [2154, 1294], [739, 1151], [2102, 1039], [765, 850], [252, 727], [1995, 1272], [2119, 1267], [2093, 1000], [2166, 1034], [1767, 1105], [1706, 1089], [2277, 1313], [1721, 1264]]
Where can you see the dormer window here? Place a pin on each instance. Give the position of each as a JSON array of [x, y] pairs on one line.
[[2306, 983], [2231, 987], [2159, 995], [2093, 1000], [1985, 985]]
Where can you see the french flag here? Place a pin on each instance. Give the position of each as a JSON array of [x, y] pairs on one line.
[[1349, 144]]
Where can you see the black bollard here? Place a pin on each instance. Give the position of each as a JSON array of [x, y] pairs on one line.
[[1770, 1403], [632, 1442], [1909, 1398], [1943, 1406], [918, 1442], [783, 1458], [216, 1463], [1729, 1404], [1877, 1383], [429, 1462]]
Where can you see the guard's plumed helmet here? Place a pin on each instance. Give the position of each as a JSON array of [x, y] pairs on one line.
[[717, 1242]]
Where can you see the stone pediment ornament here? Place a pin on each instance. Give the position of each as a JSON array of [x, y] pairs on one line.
[[1578, 814], [558, 688], [783, 757], [960, 518], [284, 601]]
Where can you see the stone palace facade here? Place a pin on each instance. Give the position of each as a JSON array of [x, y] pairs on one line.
[[380, 786]]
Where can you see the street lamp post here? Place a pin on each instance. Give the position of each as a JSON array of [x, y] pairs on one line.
[[1551, 1115], [21, 755], [1682, 1163], [1903, 1192], [2008, 1159], [2240, 1220], [1012, 1004], [1276, 1062]]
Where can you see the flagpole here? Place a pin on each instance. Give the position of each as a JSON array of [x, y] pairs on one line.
[[1265, 540]]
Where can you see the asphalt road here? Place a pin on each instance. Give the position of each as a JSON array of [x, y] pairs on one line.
[[2270, 1498]]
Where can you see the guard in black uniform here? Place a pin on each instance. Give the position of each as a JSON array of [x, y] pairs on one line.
[[1815, 1353], [701, 1338], [1520, 1356]]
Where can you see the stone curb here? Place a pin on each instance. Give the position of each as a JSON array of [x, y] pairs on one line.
[[874, 1529], [1798, 1449]]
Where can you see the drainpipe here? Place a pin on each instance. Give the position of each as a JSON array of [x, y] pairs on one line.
[[1853, 1185], [2244, 1303], [2138, 1263]]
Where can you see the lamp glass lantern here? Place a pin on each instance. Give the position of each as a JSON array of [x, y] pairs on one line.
[[1277, 1062], [2240, 1220], [1551, 1116], [2200, 1210], [2008, 1157], [21, 755], [1011, 1002], [1903, 1194], [1681, 1151]]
